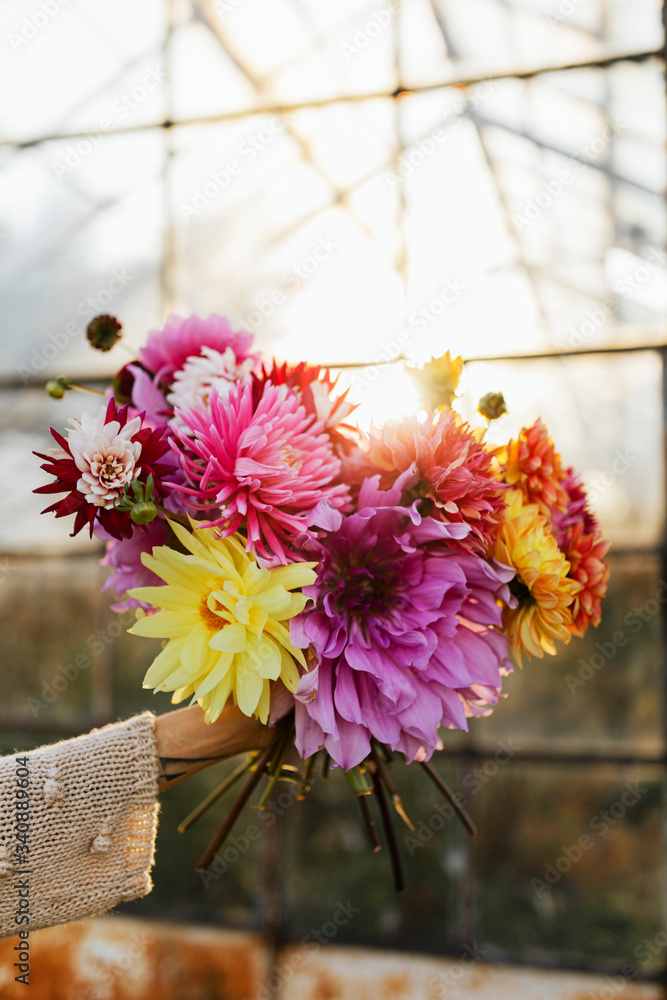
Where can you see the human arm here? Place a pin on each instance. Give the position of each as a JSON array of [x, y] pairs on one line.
[[92, 810]]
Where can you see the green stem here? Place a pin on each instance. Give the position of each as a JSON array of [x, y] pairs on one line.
[[216, 794], [310, 767], [282, 750], [86, 389], [172, 517], [449, 794], [235, 811]]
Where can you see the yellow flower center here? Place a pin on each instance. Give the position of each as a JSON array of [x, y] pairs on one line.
[[211, 620], [291, 457]]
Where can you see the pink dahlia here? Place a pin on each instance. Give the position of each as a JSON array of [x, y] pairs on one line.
[[168, 349], [148, 397], [405, 633], [266, 466], [452, 473], [97, 460]]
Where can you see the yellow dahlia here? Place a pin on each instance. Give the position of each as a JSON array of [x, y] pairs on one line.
[[545, 593], [438, 381], [223, 616]]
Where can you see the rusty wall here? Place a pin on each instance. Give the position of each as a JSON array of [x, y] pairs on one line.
[[116, 958]]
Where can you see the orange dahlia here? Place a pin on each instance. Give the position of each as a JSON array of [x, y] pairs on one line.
[[454, 474], [534, 466], [542, 587], [585, 553]]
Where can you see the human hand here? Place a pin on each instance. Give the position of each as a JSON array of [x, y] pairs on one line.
[[186, 744]]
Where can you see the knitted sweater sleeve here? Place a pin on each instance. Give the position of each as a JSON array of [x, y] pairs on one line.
[[77, 825]]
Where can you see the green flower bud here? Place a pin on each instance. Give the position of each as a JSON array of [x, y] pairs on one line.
[[57, 387], [143, 512], [356, 779]]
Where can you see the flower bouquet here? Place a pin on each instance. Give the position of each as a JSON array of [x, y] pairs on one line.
[[357, 592]]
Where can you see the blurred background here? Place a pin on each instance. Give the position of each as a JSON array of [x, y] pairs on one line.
[[351, 181]]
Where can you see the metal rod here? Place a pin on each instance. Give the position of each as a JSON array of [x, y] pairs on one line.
[[323, 102], [14, 384]]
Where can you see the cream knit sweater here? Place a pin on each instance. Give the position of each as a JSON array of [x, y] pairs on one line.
[[77, 830]]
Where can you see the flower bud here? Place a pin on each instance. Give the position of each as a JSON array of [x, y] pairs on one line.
[[143, 512], [57, 387], [356, 779], [103, 332], [492, 405], [122, 384]]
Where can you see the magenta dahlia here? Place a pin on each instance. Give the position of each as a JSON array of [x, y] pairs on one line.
[[452, 472], [405, 632], [267, 467], [97, 460], [167, 350]]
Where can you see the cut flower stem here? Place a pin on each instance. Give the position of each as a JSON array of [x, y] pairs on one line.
[[236, 809], [216, 794], [390, 832], [395, 797], [282, 749], [449, 794], [369, 823]]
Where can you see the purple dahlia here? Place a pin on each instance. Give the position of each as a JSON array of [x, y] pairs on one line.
[[405, 632], [127, 568]]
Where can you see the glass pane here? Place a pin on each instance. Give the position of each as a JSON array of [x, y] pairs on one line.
[[263, 52], [605, 416], [534, 214], [84, 241], [76, 66], [328, 858], [25, 418], [266, 238], [571, 866], [519, 35], [54, 668]]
